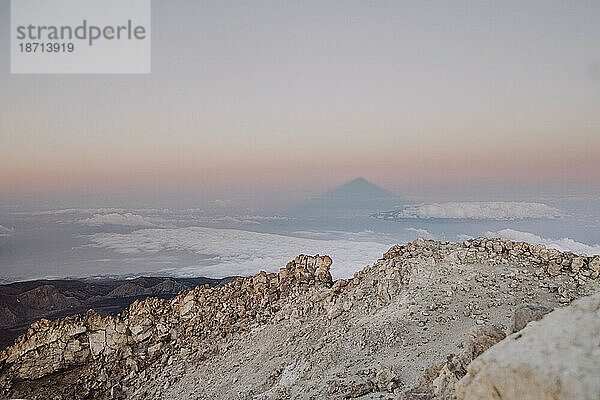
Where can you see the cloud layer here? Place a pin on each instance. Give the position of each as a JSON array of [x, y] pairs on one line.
[[564, 244], [498, 210], [236, 252], [122, 219], [153, 217]]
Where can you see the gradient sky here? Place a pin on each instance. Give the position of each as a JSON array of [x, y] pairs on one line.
[[298, 95]]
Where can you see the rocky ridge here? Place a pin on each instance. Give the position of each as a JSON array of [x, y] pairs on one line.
[[22, 303], [105, 348], [383, 333]]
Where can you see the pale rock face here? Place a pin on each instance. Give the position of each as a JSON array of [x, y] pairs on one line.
[[576, 264], [97, 342], [322, 269], [595, 267], [554, 269], [188, 304], [143, 330], [75, 351], [556, 358]]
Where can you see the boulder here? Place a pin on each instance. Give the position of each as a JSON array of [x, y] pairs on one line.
[[524, 314], [577, 263], [556, 358]]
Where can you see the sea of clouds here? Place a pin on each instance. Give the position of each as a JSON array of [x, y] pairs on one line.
[[122, 219], [496, 210], [239, 252], [150, 217], [194, 242]]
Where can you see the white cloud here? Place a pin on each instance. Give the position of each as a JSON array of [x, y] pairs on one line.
[[230, 220], [4, 231], [422, 233], [237, 252], [222, 203], [155, 217], [242, 219], [361, 236], [123, 219], [267, 218], [499, 210], [84, 211], [564, 244]]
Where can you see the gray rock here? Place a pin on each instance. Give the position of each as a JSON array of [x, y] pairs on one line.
[[525, 314], [557, 358]]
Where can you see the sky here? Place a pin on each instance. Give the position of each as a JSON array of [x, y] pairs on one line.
[[289, 97]]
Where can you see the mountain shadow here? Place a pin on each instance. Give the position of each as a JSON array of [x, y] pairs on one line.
[[355, 198]]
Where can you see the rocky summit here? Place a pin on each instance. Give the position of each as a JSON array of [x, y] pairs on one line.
[[483, 319]]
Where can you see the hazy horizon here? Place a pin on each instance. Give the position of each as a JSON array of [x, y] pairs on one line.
[[354, 224], [277, 99]]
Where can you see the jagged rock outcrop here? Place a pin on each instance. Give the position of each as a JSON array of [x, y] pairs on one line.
[[556, 358], [495, 251], [296, 334], [123, 344]]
